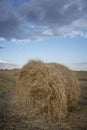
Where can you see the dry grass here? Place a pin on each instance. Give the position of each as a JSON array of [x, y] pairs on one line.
[[81, 75], [76, 119], [38, 91], [46, 89], [70, 82]]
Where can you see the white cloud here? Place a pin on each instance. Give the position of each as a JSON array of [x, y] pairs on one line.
[[2, 61], [7, 65], [73, 34], [78, 66]]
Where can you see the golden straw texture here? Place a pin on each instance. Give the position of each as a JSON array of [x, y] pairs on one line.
[[46, 89]]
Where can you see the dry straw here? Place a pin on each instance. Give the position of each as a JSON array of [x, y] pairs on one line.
[[70, 82], [46, 90]]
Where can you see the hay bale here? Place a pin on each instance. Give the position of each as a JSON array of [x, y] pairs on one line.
[[49, 90], [40, 91], [70, 82]]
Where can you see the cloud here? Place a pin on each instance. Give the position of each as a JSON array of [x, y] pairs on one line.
[[9, 22], [43, 18], [49, 12], [78, 66], [56, 18], [7, 65]]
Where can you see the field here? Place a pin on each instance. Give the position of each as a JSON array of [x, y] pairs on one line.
[[76, 120]]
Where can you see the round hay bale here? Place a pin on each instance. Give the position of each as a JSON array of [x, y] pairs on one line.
[[70, 82], [40, 91]]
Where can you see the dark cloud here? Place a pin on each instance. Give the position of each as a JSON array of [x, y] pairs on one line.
[[37, 18], [9, 22], [56, 17], [57, 12]]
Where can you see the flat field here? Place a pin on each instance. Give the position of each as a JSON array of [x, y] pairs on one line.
[[76, 120]]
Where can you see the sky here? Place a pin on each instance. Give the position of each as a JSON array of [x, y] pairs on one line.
[[49, 30]]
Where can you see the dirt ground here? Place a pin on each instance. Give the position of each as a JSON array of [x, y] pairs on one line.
[[76, 119]]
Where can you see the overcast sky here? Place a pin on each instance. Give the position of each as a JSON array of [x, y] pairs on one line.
[[51, 30]]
